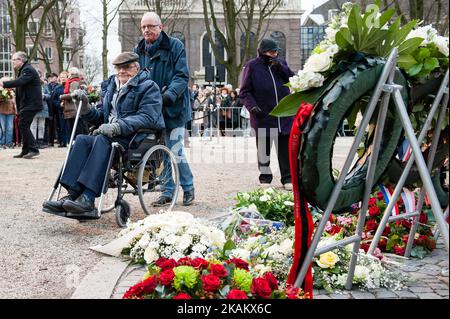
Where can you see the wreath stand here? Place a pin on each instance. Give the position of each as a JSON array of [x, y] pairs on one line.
[[384, 89]]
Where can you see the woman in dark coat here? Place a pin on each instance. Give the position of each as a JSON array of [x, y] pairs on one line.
[[261, 90]]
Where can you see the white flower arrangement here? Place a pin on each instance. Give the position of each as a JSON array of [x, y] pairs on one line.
[[430, 35], [173, 235]]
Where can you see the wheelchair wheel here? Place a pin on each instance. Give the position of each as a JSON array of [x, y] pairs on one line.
[[123, 212], [158, 166]]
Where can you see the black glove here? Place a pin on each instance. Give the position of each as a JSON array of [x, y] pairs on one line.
[[78, 95], [275, 63], [166, 100], [256, 110], [109, 130]]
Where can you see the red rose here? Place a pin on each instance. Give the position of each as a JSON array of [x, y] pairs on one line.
[[239, 263], [332, 218], [149, 284], [374, 211], [423, 218], [334, 230], [165, 263], [405, 223], [199, 263], [371, 225], [382, 244], [273, 282], [372, 201], [399, 250], [237, 294], [211, 283], [166, 277], [380, 196], [365, 247], [218, 270], [261, 288], [405, 238], [430, 243], [420, 241], [186, 261], [387, 230], [182, 295]]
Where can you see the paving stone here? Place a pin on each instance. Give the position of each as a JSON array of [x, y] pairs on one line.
[[340, 296], [438, 286], [443, 292], [386, 295], [362, 295], [443, 263], [420, 290], [430, 296], [117, 296], [405, 294]]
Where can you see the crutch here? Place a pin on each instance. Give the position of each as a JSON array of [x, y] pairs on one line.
[[74, 95]]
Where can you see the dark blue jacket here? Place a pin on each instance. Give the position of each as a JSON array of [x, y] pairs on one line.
[[138, 108], [166, 61], [263, 86]]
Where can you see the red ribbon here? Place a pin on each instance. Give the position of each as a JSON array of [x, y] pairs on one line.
[[303, 220]]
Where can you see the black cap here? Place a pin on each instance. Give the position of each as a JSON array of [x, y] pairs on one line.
[[267, 45], [125, 58]]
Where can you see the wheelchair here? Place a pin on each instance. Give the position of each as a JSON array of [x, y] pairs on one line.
[[141, 170]]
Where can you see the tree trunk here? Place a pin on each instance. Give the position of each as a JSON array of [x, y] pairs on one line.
[[105, 41]]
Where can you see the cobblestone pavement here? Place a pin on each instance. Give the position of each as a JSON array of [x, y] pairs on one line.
[[428, 279]]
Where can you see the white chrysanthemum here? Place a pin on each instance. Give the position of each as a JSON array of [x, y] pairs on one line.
[[199, 248], [320, 62], [305, 80], [361, 272], [427, 33], [288, 203], [217, 238], [262, 269], [184, 242], [442, 44], [269, 190], [264, 198], [150, 255], [240, 253], [286, 246], [246, 196], [170, 239], [331, 34]]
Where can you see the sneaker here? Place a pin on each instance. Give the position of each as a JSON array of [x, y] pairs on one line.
[[30, 155], [287, 186]]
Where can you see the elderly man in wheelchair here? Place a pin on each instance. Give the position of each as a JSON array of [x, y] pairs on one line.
[[132, 103]]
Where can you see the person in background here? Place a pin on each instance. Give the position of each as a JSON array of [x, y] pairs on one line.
[[28, 101], [62, 130], [165, 56], [7, 111], [38, 124], [53, 120], [262, 88]]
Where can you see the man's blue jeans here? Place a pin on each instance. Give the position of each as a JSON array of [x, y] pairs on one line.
[[174, 141]]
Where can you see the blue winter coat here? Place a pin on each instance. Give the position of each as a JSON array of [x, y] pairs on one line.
[[263, 86], [140, 107], [166, 61]]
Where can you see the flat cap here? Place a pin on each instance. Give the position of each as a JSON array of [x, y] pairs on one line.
[[126, 57]]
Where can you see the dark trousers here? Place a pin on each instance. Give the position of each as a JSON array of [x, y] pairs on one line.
[[28, 141], [264, 141], [87, 164], [61, 129]]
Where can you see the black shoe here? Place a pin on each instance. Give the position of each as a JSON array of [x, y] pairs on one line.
[[162, 201], [265, 178], [30, 155], [81, 205], [55, 206], [86, 215], [188, 197], [62, 145], [19, 155]]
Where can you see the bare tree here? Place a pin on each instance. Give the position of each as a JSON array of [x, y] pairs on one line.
[[109, 15], [246, 16], [92, 67], [20, 12]]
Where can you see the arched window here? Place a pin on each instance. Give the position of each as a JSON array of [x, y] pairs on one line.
[[280, 38], [180, 36], [252, 53]]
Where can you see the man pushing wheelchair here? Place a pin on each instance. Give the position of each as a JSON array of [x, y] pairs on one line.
[[132, 102]]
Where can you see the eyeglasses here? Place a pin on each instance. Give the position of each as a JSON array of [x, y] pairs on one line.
[[150, 26], [126, 67]]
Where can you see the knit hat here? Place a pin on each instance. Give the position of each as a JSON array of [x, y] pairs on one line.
[[267, 45]]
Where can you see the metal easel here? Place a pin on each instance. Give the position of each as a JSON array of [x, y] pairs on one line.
[[384, 89]]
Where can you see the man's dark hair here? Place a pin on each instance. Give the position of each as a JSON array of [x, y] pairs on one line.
[[51, 75]]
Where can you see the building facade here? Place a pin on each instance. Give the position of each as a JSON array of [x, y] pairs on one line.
[[190, 28], [73, 48]]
